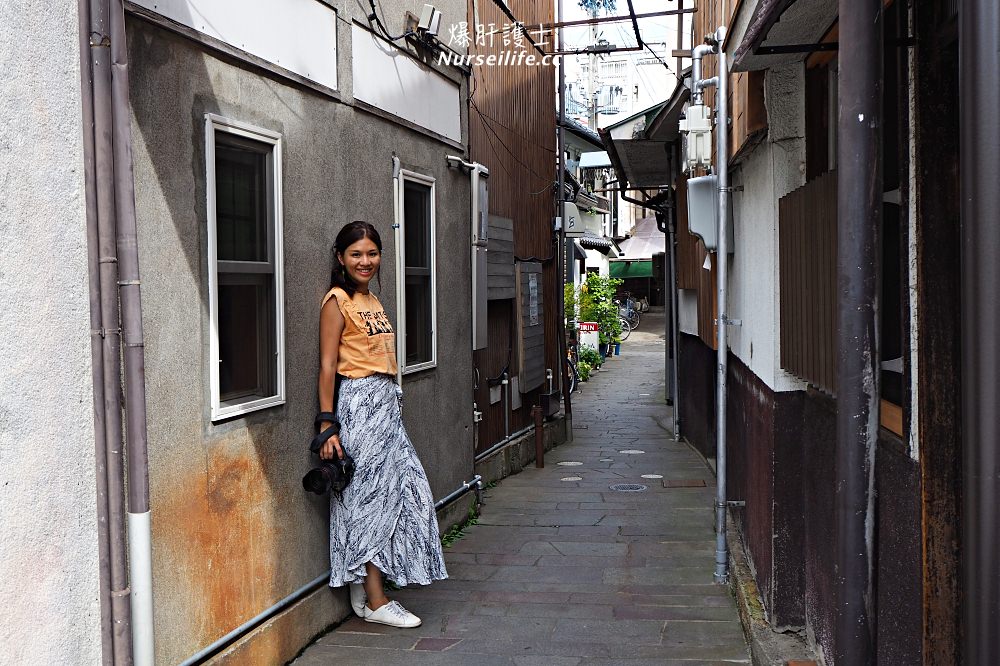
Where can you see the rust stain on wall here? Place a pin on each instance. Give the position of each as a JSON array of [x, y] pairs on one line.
[[219, 527]]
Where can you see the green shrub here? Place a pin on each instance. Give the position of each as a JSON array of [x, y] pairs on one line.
[[584, 369], [590, 356], [597, 304]]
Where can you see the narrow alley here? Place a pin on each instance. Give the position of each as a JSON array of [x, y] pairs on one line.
[[563, 569]]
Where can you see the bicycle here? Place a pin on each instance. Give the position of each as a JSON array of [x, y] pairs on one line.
[[628, 312], [572, 358], [626, 327]]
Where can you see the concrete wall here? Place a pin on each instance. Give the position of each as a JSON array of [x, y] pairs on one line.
[[48, 544], [772, 170], [233, 531], [687, 311]]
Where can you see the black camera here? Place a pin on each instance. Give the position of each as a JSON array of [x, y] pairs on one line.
[[331, 476]]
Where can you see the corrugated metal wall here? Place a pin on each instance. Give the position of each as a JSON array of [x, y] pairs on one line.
[[807, 247], [512, 130]]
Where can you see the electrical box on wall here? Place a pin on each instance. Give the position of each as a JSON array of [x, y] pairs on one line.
[[703, 210], [480, 261], [697, 128]]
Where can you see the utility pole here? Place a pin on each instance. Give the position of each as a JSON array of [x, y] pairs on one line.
[[561, 213], [593, 82]]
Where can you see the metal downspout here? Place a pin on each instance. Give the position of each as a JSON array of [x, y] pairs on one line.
[[671, 362], [96, 340], [979, 71], [722, 287], [675, 323], [110, 334], [397, 193], [859, 201], [139, 531]]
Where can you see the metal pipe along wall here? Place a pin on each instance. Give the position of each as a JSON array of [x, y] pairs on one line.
[[859, 202], [980, 169]]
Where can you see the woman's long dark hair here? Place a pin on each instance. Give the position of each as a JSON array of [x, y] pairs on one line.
[[349, 235]]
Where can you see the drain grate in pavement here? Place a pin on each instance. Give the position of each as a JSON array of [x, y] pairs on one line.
[[628, 487]]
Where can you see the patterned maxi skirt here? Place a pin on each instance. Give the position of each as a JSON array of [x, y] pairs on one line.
[[386, 515]]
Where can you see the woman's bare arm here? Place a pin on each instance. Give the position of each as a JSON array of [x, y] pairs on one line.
[[331, 325]]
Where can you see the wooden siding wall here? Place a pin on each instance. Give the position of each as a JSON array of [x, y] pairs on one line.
[[746, 89], [512, 130], [500, 259], [807, 248], [690, 250], [691, 272]]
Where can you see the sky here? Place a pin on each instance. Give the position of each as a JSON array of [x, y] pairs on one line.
[[653, 82]]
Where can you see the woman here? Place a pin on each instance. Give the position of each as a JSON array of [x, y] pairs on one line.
[[384, 523]]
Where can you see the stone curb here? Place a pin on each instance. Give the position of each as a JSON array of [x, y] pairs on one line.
[[767, 647]]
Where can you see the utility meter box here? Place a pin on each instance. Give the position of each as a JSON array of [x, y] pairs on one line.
[[697, 126], [703, 208]]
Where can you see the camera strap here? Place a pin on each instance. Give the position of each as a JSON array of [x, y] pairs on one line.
[[321, 439]]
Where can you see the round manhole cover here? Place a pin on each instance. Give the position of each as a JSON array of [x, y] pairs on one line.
[[607, 459], [572, 478], [631, 452], [569, 463], [652, 476], [628, 487]]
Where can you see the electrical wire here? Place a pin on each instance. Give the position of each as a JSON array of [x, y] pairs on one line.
[[385, 32], [487, 125]]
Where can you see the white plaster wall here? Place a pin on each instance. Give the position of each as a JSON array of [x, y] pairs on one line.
[[49, 611], [773, 170], [598, 260], [687, 311]]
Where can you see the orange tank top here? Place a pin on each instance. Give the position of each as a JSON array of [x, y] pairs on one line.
[[367, 344]]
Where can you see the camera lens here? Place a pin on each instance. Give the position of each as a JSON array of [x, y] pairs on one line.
[[318, 480]]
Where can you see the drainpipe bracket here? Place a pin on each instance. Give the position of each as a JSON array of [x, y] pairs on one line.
[[105, 332]]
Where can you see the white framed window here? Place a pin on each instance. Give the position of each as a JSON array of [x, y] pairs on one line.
[[418, 320], [245, 267]]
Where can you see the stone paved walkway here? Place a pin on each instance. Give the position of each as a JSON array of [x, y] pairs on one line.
[[563, 570]]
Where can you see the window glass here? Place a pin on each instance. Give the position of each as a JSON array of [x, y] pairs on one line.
[[246, 339], [241, 200], [418, 311], [417, 210], [419, 277], [247, 365]]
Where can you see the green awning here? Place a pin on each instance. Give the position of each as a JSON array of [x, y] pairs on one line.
[[631, 269]]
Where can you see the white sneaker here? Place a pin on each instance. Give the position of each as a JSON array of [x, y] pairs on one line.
[[392, 614], [358, 598]]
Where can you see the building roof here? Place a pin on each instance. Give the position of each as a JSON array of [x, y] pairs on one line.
[[641, 160], [780, 23], [581, 131], [646, 240], [648, 112]]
